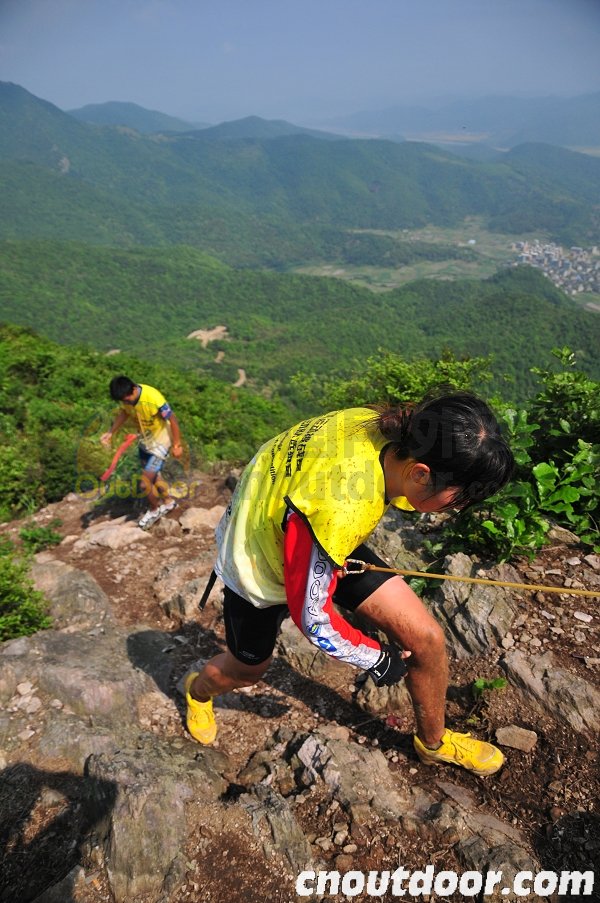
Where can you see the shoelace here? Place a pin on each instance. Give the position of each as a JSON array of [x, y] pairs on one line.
[[463, 744]]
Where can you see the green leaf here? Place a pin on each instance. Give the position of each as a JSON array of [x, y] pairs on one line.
[[546, 474]]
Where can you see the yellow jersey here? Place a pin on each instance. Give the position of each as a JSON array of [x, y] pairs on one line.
[[329, 470], [150, 414]]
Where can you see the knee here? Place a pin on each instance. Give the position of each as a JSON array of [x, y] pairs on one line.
[[145, 483], [429, 641]]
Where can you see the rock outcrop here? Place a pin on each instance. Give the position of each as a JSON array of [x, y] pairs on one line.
[[93, 747]]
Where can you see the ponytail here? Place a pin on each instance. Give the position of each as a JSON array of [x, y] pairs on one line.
[[394, 423]]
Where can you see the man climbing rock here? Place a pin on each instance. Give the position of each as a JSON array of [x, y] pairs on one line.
[[151, 415]]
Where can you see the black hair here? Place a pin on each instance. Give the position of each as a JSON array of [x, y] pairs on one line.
[[457, 436], [121, 386]]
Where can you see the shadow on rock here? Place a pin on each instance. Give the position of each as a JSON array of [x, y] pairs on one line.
[[163, 655], [113, 507], [49, 822], [572, 844]]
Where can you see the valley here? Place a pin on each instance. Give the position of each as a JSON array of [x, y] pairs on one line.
[[488, 252]]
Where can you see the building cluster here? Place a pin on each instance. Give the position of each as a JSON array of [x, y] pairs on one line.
[[574, 270]]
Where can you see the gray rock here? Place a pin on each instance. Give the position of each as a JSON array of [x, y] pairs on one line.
[[302, 656], [73, 739], [562, 535], [8, 682], [274, 824], [444, 812], [92, 675], [75, 597], [146, 827], [481, 841], [554, 690], [184, 604], [516, 737], [63, 890], [398, 540], [179, 586], [15, 648], [195, 520], [379, 700], [507, 859], [355, 775], [476, 618], [111, 536], [167, 527]]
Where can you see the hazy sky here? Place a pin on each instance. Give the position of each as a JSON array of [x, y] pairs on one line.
[[303, 60]]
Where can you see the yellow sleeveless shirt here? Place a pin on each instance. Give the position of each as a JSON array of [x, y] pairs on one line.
[[329, 470]]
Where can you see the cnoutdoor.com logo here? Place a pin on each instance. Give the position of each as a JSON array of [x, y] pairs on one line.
[[402, 882]]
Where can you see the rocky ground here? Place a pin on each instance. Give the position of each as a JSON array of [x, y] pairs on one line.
[[104, 797]]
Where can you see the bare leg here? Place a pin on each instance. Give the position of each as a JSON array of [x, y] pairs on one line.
[[224, 673], [399, 612], [152, 484]]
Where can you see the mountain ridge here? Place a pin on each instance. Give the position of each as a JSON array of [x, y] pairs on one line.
[[496, 119], [131, 115], [180, 184]]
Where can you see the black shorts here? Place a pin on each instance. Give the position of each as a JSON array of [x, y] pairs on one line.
[[251, 632]]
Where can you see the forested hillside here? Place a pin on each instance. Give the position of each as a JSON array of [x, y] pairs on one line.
[[264, 201], [55, 407], [147, 301]]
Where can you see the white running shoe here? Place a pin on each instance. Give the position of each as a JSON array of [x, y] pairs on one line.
[[167, 506], [149, 518]]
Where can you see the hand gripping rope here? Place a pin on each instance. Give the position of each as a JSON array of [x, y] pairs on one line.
[[355, 566]]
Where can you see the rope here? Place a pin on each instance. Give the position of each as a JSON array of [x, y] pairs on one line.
[[365, 566]]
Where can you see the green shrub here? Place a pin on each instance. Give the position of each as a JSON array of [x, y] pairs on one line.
[[22, 608], [387, 378], [36, 539], [566, 409], [557, 451]]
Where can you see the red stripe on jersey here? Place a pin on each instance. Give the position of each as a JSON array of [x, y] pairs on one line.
[[313, 605]]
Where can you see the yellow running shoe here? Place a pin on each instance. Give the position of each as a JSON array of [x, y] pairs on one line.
[[200, 718], [463, 750]]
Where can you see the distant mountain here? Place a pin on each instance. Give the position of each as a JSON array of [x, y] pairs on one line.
[[577, 175], [132, 116], [499, 121], [272, 201], [255, 127], [482, 153], [33, 129]]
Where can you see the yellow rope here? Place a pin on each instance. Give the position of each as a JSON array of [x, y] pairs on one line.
[[529, 586]]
